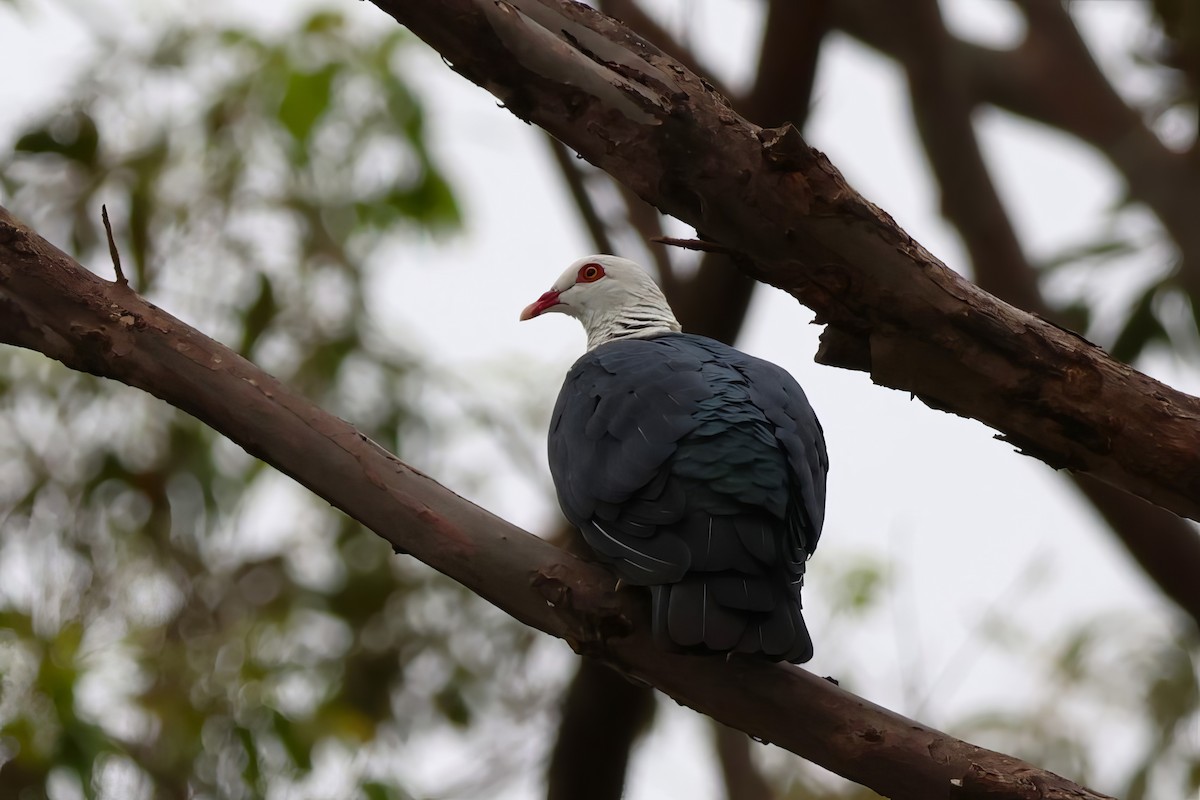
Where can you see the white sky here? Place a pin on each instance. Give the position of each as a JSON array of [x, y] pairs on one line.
[[972, 526]]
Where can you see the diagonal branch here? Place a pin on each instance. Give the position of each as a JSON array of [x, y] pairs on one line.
[[787, 68], [1167, 547], [632, 14], [573, 177], [896, 311], [50, 304]]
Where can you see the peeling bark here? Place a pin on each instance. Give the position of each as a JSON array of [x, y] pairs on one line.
[[1165, 546], [902, 315], [50, 304]]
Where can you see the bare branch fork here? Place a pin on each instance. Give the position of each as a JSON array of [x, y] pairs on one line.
[[50, 304], [914, 324]]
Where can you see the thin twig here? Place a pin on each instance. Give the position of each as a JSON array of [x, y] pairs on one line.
[[693, 244], [112, 248]]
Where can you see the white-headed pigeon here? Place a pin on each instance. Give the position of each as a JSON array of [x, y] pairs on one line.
[[689, 466]]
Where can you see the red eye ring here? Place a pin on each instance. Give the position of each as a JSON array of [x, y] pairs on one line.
[[590, 272]]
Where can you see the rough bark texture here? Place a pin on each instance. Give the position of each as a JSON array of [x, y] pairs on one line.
[[892, 308], [50, 304], [1165, 546]]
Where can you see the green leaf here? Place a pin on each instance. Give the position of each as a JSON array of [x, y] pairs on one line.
[[293, 741], [305, 99], [453, 705], [253, 770], [1141, 329], [323, 22], [72, 136], [1098, 252], [373, 790], [259, 315]]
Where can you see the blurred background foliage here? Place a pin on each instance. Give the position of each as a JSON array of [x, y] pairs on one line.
[[177, 620]]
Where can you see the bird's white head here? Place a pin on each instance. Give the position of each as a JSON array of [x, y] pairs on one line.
[[613, 297]]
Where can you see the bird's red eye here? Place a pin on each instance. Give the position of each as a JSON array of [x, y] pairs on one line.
[[590, 272]]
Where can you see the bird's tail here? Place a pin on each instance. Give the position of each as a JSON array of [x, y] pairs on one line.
[[723, 612]]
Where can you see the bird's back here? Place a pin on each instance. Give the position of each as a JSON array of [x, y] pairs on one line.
[[699, 471]]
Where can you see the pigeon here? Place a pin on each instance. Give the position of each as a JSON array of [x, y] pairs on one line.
[[688, 467]]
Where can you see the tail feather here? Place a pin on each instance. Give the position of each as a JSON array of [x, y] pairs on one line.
[[690, 614]]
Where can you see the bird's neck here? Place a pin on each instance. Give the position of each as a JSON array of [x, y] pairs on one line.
[[630, 322]]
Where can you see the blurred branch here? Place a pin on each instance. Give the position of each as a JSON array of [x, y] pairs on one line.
[[603, 713], [942, 109], [898, 312], [573, 177], [1079, 101], [1166, 547], [743, 781], [51, 304]]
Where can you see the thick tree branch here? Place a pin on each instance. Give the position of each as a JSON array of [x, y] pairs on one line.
[[787, 68], [1166, 547], [50, 304], [899, 312], [632, 14]]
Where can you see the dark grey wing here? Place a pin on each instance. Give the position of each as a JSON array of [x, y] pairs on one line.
[[620, 415], [682, 473], [798, 430]]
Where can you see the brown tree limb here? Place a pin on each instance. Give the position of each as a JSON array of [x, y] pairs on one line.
[[942, 110], [782, 91], [633, 15], [603, 714], [50, 304], [573, 178], [743, 780], [911, 322], [1078, 100], [1165, 546]]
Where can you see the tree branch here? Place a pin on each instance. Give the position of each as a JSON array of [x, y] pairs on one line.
[[603, 713], [1166, 547], [633, 15], [743, 781], [573, 177], [899, 312], [50, 304], [782, 90]]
